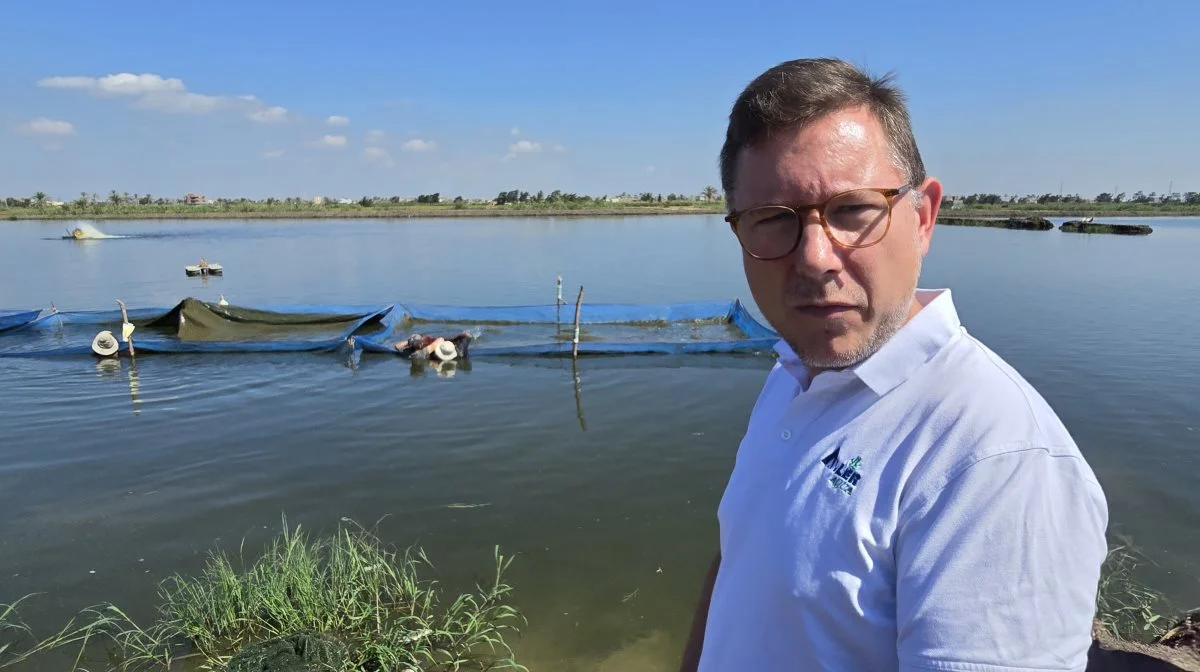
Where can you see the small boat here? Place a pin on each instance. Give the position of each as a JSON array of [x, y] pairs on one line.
[[204, 268], [74, 234]]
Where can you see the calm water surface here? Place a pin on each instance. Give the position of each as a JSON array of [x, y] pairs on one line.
[[110, 480]]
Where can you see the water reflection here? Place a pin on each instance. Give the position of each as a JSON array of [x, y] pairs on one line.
[[578, 394], [419, 368], [110, 368]]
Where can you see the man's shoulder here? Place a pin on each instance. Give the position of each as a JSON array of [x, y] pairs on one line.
[[976, 414], [982, 420], [970, 385]]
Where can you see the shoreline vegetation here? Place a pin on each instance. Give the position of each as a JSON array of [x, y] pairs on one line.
[[348, 603], [343, 603], [516, 203]]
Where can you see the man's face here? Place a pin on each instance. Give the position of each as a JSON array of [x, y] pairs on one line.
[[835, 306]]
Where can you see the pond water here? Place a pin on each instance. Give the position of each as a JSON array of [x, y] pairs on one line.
[[605, 489]]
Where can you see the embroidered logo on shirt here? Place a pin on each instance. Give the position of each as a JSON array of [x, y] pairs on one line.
[[845, 475]]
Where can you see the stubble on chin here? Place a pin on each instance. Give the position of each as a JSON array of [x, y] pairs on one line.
[[826, 351]]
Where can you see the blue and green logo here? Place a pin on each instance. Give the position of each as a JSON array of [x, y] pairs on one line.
[[844, 476]]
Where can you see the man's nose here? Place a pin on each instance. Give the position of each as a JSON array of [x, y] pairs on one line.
[[817, 255]]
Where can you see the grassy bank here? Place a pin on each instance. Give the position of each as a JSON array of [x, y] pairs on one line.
[[259, 210], [589, 208], [348, 603], [1073, 210]]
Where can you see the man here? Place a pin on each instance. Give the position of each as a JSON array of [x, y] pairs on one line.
[[437, 348], [902, 499]]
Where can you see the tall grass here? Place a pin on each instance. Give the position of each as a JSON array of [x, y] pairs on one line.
[[368, 601], [1128, 609], [17, 641]]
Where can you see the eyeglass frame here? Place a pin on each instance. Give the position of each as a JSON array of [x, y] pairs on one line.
[[888, 194]]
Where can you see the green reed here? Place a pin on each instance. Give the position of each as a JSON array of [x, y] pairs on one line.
[[366, 600]]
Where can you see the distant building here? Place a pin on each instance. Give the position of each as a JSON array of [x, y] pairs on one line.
[[194, 199], [318, 200]]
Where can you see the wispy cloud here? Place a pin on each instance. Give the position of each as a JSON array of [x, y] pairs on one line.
[[379, 155], [165, 94], [332, 141], [338, 120], [419, 145], [122, 84], [523, 147], [181, 102], [269, 115], [272, 154], [376, 136], [47, 127]]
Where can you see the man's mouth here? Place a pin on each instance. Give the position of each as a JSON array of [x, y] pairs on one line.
[[825, 309]]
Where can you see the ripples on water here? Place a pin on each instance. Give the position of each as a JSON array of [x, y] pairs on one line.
[[612, 514]]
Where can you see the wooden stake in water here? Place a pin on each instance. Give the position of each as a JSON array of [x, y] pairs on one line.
[[578, 395], [560, 289], [126, 327], [575, 341]]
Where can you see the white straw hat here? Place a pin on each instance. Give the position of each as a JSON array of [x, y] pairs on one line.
[[445, 351], [105, 344]]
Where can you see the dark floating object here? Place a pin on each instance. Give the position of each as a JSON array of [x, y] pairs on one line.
[[1022, 223], [1088, 226]]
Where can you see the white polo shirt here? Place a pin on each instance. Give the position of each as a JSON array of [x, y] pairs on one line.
[[923, 510]]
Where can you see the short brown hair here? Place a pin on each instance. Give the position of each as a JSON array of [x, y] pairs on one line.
[[795, 93]]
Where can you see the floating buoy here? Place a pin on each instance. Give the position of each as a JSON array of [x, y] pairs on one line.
[[105, 344]]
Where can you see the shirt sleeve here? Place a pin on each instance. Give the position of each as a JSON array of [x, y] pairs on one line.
[[997, 566]]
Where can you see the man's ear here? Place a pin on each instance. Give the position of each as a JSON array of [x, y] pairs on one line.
[[931, 202]]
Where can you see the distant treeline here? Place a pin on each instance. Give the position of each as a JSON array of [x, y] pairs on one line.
[[1140, 198], [516, 201], [123, 205], [91, 201]]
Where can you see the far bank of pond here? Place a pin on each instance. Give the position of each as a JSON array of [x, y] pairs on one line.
[[254, 210]]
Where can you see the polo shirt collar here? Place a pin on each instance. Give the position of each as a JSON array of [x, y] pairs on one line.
[[935, 325]]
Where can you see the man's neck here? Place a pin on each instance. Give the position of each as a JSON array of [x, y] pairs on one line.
[[914, 307]]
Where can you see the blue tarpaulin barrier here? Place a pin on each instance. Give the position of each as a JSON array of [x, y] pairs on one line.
[[11, 319], [540, 330]]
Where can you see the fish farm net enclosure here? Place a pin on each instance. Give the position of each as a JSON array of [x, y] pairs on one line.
[[198, 326]]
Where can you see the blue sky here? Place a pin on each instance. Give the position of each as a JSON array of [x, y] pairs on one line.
[[235, 98]]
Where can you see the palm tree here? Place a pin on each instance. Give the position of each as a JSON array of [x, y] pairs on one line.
[[710, 193], [40, 197], [114, 197]]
